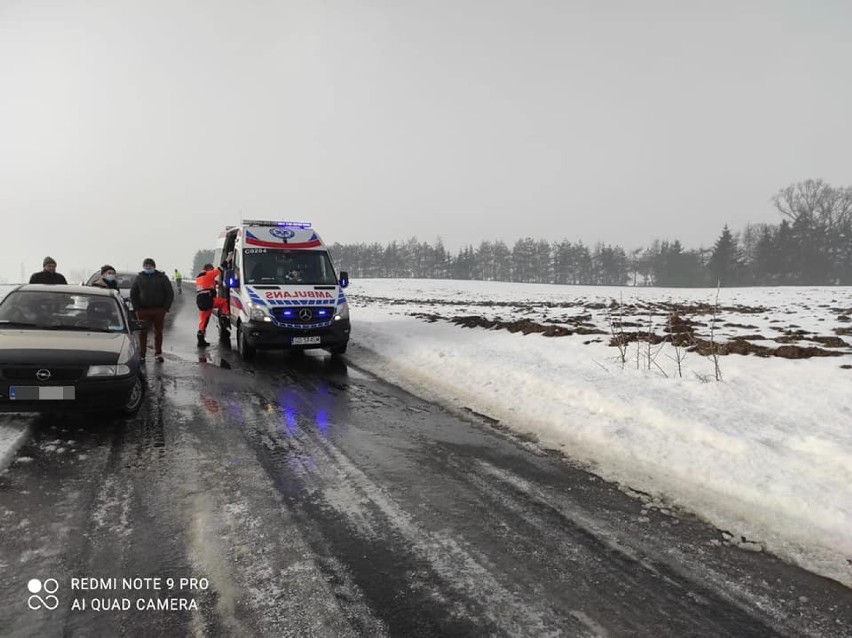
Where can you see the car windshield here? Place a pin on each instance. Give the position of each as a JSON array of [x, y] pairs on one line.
[[273, 266], [54, 310]]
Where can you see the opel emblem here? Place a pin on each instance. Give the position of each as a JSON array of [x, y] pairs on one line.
[[43, 375], [305, 314]]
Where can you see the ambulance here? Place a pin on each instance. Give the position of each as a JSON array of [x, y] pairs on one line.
[[281, 289]]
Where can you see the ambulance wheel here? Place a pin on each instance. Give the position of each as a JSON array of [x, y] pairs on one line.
[[246, 350]]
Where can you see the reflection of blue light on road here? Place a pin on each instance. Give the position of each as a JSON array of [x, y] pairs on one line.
[[322, 421], [289, 414], [235, 410]]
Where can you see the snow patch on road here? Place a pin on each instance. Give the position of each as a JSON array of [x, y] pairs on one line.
[[14, 432]]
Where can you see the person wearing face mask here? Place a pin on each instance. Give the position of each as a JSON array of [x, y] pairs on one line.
[[152, 296], [107, 278]]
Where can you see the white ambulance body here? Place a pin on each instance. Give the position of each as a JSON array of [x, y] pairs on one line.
[[281, 288]]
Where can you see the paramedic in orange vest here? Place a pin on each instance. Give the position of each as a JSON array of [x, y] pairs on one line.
[[206, 300]]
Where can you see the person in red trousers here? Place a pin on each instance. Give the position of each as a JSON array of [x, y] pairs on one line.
[[207, 301], [152, 296]]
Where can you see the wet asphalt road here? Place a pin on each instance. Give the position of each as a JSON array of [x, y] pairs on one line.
[[317, 500]]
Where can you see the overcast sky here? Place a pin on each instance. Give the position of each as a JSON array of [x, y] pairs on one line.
[[130, 129]]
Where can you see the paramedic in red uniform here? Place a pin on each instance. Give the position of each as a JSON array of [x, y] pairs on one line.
[[206, 300]]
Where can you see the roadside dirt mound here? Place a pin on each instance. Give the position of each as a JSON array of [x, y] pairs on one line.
[[677, 330], [702, 308], [524, 326], [830, 342]]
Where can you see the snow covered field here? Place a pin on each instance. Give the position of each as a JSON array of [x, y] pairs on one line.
[[765, 455]]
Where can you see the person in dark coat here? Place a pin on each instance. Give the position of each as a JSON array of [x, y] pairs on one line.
[[152, 296], [49, 274], [107, 278]]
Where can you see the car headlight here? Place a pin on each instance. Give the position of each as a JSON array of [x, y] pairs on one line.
[[342, 312], [258, 312], [119, 370]]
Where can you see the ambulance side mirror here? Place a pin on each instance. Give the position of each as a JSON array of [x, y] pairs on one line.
[[344, 279]]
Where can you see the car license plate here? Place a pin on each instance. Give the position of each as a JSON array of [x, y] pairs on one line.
[[41, 393], [304, 341]]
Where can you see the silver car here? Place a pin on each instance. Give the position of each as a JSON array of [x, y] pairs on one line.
[[68, 348]]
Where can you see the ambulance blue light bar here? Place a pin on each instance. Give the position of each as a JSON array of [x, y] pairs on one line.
[[262, 222]]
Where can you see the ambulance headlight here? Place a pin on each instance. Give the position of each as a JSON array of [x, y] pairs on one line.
[[342, 312], [258, 312]]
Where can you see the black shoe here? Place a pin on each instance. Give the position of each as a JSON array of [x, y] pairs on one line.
[[159, 358], [202, 342]]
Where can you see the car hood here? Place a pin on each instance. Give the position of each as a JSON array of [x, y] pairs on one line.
[[34, 346]]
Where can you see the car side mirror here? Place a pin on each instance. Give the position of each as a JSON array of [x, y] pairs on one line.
[[344, 279], [136, 325]]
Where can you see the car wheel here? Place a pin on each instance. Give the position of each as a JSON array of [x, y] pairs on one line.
[[134, 398], [246, 350]]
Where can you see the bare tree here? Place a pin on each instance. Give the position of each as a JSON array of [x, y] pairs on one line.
[[616, 329], [816, 201], [714, 348]]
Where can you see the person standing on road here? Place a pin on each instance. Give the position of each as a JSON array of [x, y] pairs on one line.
[[206, 300], [178, 281], [107, 278], [152, 297], [48, 275]]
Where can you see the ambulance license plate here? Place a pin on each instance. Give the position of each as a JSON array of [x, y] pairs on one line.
[[41, 393], [304, 341]]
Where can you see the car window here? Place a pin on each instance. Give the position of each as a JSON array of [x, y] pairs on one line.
[[48, 310], [123, 279]]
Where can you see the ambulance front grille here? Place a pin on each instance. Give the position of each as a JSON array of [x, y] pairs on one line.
[[303, 315]]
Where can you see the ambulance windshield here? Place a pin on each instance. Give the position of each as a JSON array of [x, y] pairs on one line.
[[272, 266]]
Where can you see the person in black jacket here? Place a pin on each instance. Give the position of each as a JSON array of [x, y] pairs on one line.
[[152, 296], [49, 274]]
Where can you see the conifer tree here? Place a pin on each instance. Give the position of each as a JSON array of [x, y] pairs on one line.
[[725, 262]]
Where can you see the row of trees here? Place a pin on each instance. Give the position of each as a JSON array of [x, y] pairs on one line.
[[812, 245]]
